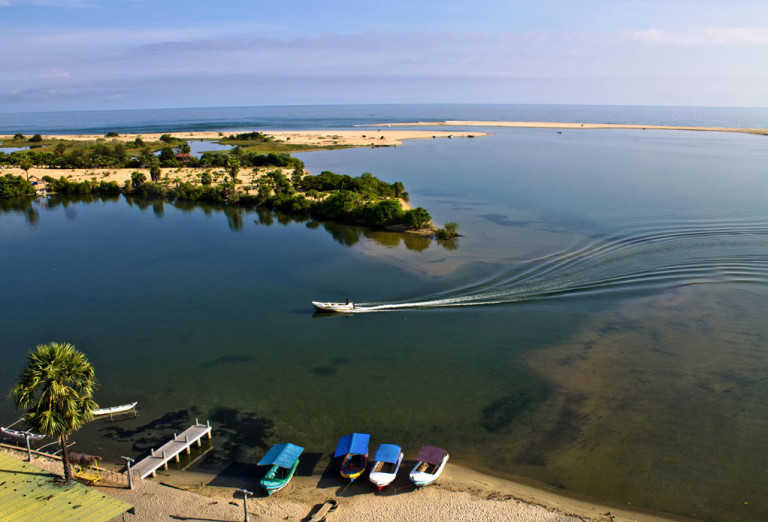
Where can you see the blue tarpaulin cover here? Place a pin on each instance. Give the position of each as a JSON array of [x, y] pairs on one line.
[[284, 455], [387, 453], [356, 443]]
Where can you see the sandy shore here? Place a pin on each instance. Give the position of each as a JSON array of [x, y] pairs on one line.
[[374, 137], [460, 494], [563, 125]]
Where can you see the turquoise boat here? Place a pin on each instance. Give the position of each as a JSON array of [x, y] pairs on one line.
[[284, 458]]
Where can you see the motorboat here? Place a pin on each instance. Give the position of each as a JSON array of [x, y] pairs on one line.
[[354, 449], [386, 463], [431, 462], [334, 307], [284, 458]]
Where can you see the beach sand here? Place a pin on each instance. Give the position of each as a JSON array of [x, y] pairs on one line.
[[565, 125], [374, 137], [460, 494]]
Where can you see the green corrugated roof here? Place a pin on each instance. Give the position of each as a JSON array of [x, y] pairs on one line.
[[29, 493]]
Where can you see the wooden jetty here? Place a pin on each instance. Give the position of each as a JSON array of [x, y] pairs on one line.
[[172, 449]]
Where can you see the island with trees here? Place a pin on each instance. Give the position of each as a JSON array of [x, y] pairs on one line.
[[255, 172]]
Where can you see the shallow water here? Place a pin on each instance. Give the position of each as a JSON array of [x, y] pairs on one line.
[[599, 326]]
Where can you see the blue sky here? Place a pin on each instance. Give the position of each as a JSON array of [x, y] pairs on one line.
[[101, 54]]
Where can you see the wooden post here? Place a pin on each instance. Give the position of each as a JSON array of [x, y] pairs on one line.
[[245, 493], [128, 462], [29, 450]]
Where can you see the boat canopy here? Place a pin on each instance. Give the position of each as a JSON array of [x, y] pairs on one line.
[[387, 453], [284, 455], [432, 455], [356, 443]]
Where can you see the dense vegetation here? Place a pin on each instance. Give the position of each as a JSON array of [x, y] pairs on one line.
[[364, 199], [371, 202], [15, 186]]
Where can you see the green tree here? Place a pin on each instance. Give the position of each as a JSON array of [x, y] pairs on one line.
[[57, 388], [155, 172], [18, 136], [233, 167], [184, 148], [25, 164], [36, 138], [206, 178], [137, 178], [416, 218], [449, 231]]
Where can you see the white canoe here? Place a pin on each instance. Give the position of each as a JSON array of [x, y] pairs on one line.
[[114, 409], [385, 470], [334, 307], [431, 463], [21, 434]]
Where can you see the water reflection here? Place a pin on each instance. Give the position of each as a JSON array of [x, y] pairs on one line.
[[23, 206], [344, 234]]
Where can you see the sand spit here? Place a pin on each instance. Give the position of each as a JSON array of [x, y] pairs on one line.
[[563, 125], [314, 138]]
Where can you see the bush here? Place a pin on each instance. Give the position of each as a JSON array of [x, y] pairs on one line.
[[449, 231], [383, 212], [36, 139], [416, 218], [112, 135], [15, 186]]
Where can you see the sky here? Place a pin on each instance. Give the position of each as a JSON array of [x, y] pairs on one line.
[[129, 54]]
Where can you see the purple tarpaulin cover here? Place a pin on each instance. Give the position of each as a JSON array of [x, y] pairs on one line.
[[432, 455]]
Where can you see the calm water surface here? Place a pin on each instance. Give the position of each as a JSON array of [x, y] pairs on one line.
[[600, 326]]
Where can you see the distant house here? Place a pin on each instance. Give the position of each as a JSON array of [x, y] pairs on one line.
[[183, 157], [40, 185]]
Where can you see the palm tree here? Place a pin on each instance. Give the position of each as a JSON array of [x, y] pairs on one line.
[[56, 387]]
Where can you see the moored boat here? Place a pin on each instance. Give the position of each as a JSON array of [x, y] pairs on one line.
[[386, 463], [334, 307], [284, 458], [431, 462], [354, 448], [21, 434], [124, 408]]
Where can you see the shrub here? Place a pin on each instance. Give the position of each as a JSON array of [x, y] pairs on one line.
[[416, 218], [449, 231], [36, 139]]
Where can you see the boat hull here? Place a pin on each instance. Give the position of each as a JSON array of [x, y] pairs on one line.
[[381, 479], [333, 307], [423, 478], [353, 466], [272, 483]]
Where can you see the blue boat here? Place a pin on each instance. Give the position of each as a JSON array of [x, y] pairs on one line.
[[386, 463], [354, 448], [284, 458]]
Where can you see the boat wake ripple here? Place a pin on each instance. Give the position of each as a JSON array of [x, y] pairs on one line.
[[639, 261]]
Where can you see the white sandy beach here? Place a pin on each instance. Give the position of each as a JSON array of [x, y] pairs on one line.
[[460, 494], [566, 125]]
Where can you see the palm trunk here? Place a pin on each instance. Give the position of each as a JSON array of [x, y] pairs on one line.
[[65, 458]]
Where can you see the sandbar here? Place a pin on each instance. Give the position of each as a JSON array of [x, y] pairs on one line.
[[567, 125], [317, 138]]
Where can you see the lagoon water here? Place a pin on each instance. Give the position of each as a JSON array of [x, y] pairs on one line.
[[600, 326]]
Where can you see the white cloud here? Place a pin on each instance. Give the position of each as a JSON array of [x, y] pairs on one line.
[[704, 36], [53, 73]]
